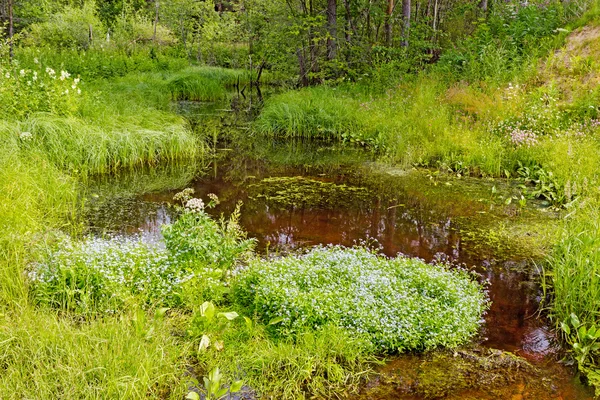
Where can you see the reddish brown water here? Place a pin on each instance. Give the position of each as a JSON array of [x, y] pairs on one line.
[[406, 213]]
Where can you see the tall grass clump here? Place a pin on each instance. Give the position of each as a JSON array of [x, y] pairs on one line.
[[400, 304], [205, 83], [74, 144], [572, 277], [313, 113], [43, 355], [34, 196]]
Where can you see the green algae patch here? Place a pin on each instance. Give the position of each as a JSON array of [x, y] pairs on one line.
[[399, 303], [474, 373], [299, 191]]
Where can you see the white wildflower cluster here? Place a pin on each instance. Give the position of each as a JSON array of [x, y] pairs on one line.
[[195, 204], [184, 195], [214, 198], [108, 271], [512, 92], [401, 304], [25, 136]]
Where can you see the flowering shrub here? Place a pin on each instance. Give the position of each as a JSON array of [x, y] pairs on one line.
[[100, 275], [197, 239], [401, 303], [24, 91]]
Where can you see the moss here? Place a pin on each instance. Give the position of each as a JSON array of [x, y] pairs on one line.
[[475, 373]]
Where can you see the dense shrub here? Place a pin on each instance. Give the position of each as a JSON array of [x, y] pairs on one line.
[[401, 303], [71, 28]]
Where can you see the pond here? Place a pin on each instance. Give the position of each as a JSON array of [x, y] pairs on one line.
[[297, 195]]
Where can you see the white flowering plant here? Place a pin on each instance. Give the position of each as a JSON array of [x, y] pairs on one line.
[[198, 239], [25, 91], [104, 275], [399, 303]]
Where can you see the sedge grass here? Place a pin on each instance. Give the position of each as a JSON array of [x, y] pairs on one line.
[[46, 356]]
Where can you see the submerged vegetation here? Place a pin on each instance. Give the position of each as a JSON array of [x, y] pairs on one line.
[[502, 90]]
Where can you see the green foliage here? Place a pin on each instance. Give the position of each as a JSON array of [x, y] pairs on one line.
[[213, 388], [81, 146], [103, 62], [204, 83], [547, 186], [44, 355], [323, 363], [71, 28], [97, 275], [100, 275], [196, 239], [401, 304], [26, 91], [315, 113], [572, 278]]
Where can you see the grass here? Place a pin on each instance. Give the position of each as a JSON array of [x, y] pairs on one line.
[[572, 278], [205, 83], [44, 355], [314, 113], [42, 159], [74, 144], [326, 363], [137, 352]]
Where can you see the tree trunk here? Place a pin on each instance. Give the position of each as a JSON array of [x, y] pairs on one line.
[[388, 23], [302, 65], [483, 4], [10, 29], [349, 24], [405, 21], [332, 28]]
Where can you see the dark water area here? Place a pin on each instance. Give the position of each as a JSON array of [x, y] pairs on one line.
[[294, 198]]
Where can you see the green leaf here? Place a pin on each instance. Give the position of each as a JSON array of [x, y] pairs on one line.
[[275, 321], [161, 312], [236, 386], [207, 310], [220, 393], [192, 396], [565, 328], [574, 320], [229, 315], [248, 323]]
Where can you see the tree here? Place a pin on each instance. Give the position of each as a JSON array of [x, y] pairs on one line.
[[388, 23], [332, 28], [405, 21]]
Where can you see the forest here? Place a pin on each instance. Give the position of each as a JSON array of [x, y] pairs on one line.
[[290, 199]]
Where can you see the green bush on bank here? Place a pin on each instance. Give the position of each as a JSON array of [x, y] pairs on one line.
[[400, 304]]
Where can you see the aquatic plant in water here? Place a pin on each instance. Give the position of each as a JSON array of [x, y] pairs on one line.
[[299, 191], [400, 303]]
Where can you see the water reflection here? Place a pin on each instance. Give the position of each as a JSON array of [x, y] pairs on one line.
[[405, 214]]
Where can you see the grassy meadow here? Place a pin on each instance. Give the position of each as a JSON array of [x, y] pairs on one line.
[[86, 317]]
